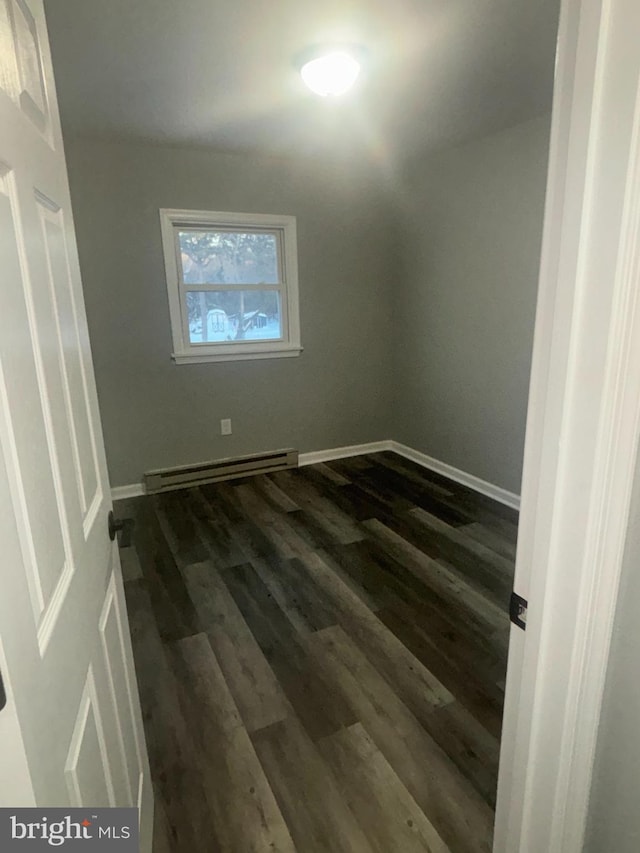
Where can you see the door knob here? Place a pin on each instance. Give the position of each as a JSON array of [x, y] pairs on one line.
[[123, 526], [115, 525]]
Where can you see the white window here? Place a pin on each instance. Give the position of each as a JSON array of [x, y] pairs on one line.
[[232, 280]]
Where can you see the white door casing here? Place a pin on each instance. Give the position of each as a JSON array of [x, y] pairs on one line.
[[72, 730], [582, 432]]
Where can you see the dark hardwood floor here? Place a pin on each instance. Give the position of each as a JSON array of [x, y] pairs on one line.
[[321, 657]]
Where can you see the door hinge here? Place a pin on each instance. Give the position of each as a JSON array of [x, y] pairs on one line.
[[518, 610]]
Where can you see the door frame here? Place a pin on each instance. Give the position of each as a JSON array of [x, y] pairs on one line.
[[583, 427]]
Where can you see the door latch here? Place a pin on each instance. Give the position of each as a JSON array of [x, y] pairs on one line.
[[518, 610]]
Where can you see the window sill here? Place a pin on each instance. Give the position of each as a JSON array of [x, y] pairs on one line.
[[197, 358]]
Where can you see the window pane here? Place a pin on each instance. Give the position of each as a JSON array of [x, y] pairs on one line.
[[229, 257], [227, 316]]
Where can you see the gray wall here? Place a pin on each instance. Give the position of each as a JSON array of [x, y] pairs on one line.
[[417, 305], [472, 226], [614, 813], [156, 413]]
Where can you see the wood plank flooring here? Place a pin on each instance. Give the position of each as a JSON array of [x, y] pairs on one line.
[[321, 657]]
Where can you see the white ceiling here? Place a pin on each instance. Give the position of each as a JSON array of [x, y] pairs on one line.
[[220, 73]]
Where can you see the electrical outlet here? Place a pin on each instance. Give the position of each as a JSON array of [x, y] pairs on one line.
[[225, 426]]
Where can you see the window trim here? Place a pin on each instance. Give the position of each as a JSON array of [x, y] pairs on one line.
[[184, 352]]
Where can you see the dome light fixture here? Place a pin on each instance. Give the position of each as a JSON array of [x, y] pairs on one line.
[[330, 71]]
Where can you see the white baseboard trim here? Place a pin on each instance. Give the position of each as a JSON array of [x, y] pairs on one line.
[[342, 452], [497, 493], [134, 490]]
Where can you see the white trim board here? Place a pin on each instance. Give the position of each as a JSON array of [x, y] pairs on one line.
[[342, 452], [497, 493], [133, 490]]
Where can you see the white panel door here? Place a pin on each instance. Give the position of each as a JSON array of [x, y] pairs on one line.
[[71, 732]]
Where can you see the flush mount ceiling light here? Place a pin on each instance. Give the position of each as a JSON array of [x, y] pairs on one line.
[[330, 71]]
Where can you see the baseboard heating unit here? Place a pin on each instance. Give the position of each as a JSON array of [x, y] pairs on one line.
[[168, 479]]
